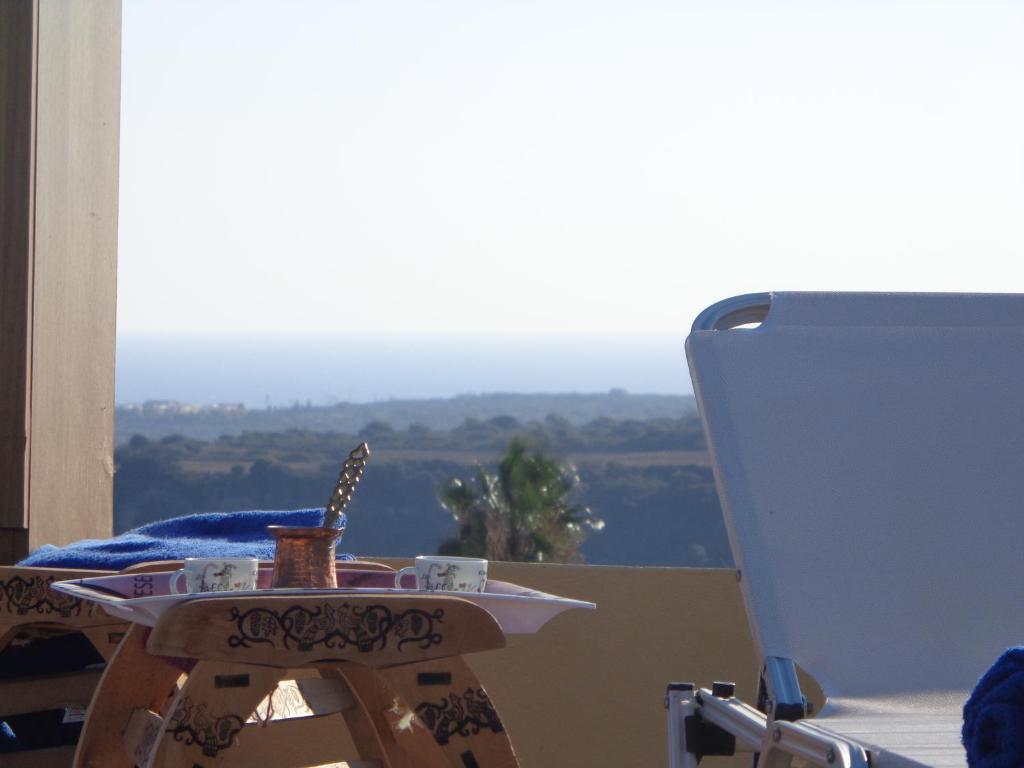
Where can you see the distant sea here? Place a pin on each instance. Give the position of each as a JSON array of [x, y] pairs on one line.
[[283, 369]]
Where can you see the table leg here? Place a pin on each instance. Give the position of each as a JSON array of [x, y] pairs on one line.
[[132, 680], [447, 697], [381, 724], [204, 720]]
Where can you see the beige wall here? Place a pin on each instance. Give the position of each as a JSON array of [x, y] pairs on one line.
[[587, 689]]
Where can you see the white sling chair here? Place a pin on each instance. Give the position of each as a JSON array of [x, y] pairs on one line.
[[869, 455]]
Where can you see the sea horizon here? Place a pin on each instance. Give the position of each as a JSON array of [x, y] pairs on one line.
[[283, 369]]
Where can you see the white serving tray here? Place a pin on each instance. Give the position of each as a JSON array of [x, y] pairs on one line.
[[143, 597]]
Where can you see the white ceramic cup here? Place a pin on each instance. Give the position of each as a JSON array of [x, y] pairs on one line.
[[440, 573], [216, 574]]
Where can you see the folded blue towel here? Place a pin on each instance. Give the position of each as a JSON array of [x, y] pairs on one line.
[[218, 534], [993, 732]]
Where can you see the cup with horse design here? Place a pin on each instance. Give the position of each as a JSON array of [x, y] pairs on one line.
[[441, 573], [216, 574]]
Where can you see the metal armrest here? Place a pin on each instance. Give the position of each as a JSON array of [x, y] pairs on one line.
[[804, 741], [694, 715], [778, 741]]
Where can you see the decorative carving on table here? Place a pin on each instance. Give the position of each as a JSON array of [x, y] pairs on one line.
[[456, 715], [283, 703], [33, 594], [192, 724], [368, 627], [150, 733]]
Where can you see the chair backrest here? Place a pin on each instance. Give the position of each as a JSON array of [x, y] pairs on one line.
[[869, 456]]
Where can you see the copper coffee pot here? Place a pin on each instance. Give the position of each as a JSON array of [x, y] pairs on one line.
[[304, 557]]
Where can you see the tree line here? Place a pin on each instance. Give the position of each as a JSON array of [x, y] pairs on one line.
[[655, 512]]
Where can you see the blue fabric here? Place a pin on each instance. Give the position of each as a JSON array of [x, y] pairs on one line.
[[218, 534], [8, 741], [993, 732]]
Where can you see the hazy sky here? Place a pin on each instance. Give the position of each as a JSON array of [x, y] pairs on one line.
[[573, 166]]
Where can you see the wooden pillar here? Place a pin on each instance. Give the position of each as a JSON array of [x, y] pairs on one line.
[[60, 88]]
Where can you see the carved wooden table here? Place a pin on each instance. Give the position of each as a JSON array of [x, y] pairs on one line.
[[191, 691]]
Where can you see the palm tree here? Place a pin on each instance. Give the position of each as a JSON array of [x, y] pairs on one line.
[[521, 513]]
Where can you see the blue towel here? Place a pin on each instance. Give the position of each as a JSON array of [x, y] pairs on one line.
[[8, 741], [993, 732], [218, 534]]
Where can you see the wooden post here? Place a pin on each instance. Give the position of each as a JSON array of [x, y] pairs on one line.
[[60, 71]]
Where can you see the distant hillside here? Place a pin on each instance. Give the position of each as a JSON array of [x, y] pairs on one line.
[[648, 479], [156, 420]]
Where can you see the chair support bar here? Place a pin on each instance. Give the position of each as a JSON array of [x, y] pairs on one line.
[[741, 720], [779, 694], [778, 741], [803, 741], [681, 704]]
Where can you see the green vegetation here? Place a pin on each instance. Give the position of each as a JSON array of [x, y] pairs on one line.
[[521, 513], [156, 420], [648, 479]]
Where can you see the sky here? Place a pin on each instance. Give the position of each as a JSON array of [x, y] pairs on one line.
[[572, 167]]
